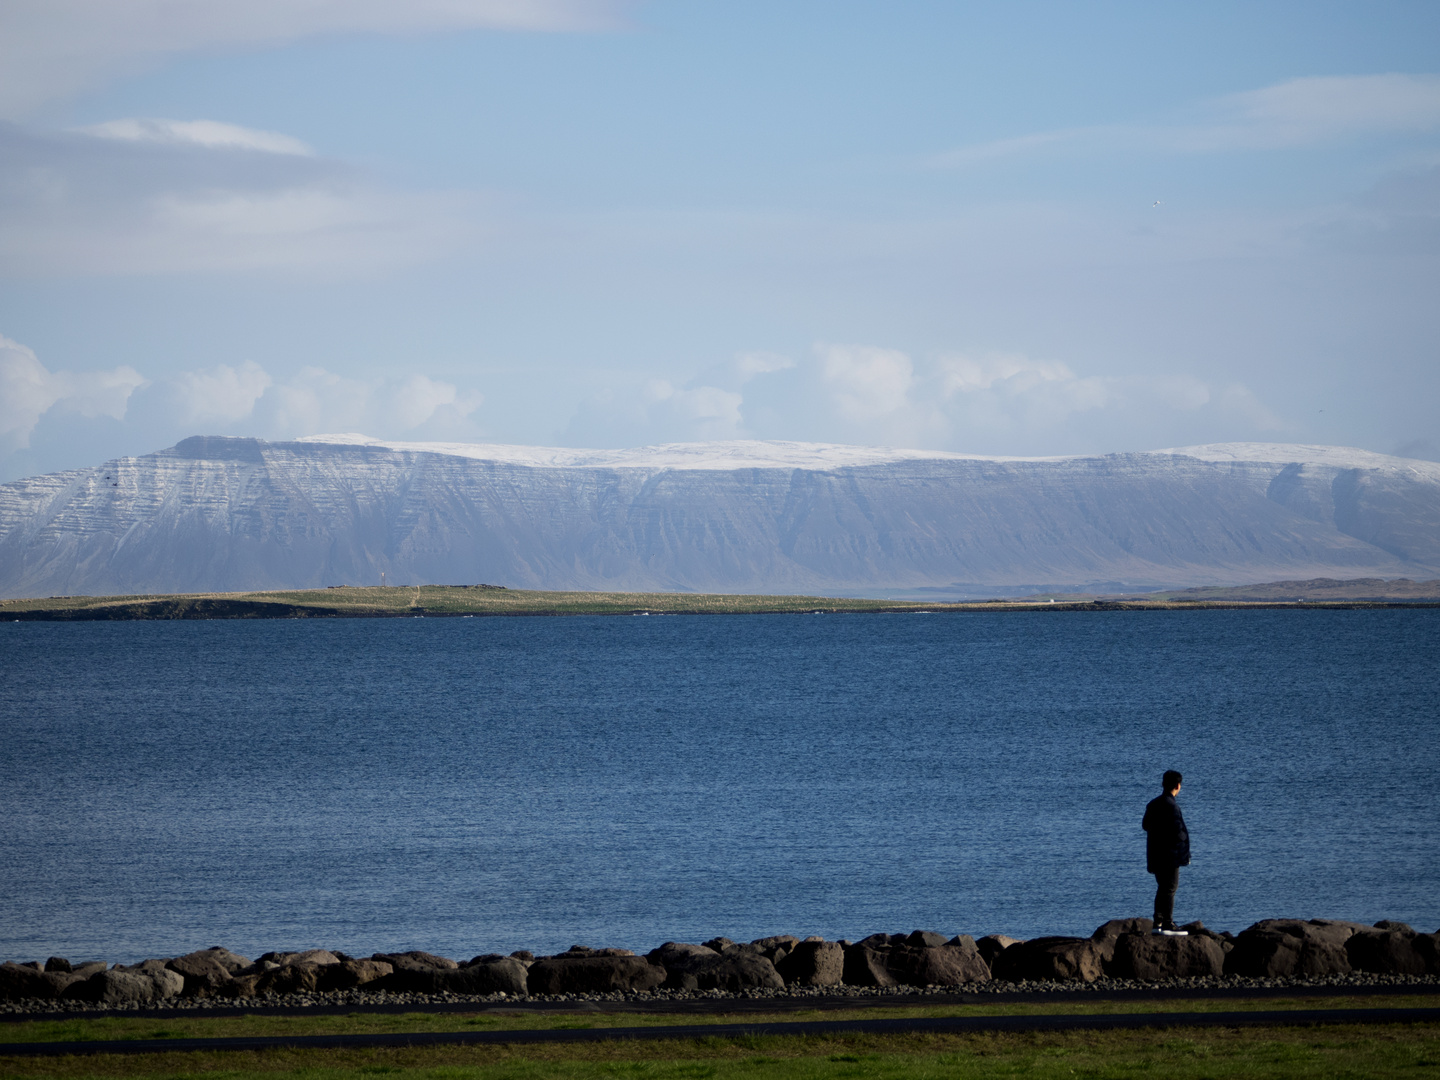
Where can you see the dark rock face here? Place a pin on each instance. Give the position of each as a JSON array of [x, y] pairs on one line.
[[1386, 951], [502, 975], [992, 945], [349, 974], [1050, 958], [592, 974], [899, 959], [1152, 956], [58, 964], [1278, 947], [291, 979], [416, 960], [776, 947], [204, 974], [813, 963], [308, 956], [1108, 933], [700, 967], [18, 981], [127, 986]]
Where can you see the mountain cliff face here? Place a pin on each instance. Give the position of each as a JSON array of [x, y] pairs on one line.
[[217, 514]]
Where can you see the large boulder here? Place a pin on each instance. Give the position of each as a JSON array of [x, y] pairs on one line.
[[918, 959], [126, 986], [1428, 946], [1153, 956], [19, 982], [699, 967], [204, 974], [992, 945], [776, 947], [1386, 951], [414, 972], [488, 975], [1109, 932], [597, 971], [318, 957], [1050, 958], [1274, 948], [349, 974], [813, 963], [416, 960], [291, 979]]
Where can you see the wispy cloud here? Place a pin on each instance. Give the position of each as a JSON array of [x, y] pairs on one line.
[[1299, 112], [163, 196], [54, 48], [211, 134]]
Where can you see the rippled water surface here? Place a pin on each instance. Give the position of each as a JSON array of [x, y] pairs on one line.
[[469, 785]]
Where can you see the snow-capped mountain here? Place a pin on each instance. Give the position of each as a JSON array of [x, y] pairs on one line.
[[228, 514]]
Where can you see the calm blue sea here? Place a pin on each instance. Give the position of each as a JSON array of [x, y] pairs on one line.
[[487, 784]]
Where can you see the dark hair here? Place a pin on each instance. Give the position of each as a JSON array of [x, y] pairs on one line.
[[1171, 780]]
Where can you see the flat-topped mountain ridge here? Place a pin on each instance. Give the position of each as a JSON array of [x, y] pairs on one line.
[[226, 514]]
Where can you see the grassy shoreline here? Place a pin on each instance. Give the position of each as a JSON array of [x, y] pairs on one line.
[[483, 600]]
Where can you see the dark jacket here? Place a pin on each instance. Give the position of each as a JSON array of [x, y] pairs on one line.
[[1167, 841]]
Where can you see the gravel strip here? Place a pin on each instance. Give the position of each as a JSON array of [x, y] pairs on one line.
[[658, 999]]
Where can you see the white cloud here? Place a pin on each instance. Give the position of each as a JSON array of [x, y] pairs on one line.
[[1300, 112], [864, 381], [247, 399], [419, 398], [28, 390], [205, 196], [750, 364], [1320, 109], [53, 48], [211, 134], [223, 393], [317, 400]]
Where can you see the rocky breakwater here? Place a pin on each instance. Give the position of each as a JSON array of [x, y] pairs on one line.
[[1121, 949]]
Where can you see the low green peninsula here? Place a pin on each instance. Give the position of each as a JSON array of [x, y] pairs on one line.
[[416, 601]]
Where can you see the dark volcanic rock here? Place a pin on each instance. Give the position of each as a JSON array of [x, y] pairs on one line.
[[416, 960], [349, 974], [992, 945], [1278, 947], [319, 957], [890, 960], [21, 981], [203, 973], [592, 974], [501, 975], [123, 986], [59, 964], [1386, 952], [813, 963], [291, 979], [699, 967], [1153, 956], [1050, 958], [1108, 933]]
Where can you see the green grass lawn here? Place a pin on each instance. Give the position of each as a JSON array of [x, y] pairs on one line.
[[1383, 1051]]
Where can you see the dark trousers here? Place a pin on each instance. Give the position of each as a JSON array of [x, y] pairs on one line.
[[1166, 882]]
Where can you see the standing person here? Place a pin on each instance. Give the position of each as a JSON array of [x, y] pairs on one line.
[[1167, 848]]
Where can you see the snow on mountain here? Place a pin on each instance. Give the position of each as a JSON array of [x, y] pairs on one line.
[[219, 514]]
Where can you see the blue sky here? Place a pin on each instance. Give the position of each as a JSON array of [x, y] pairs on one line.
[[1020, 228]]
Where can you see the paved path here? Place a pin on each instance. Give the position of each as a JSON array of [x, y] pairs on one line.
[[883, 1026]]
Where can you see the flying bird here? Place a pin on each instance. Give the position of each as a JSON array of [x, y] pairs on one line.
[[1155, 204]]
